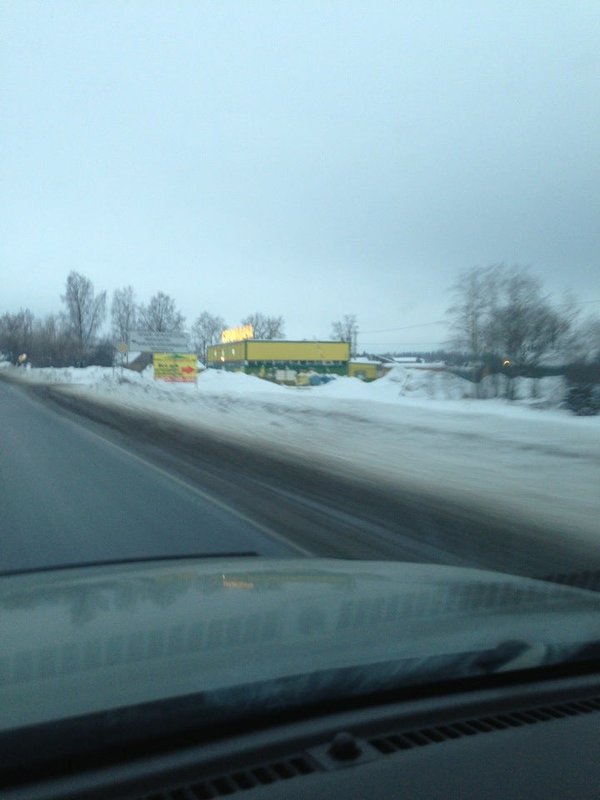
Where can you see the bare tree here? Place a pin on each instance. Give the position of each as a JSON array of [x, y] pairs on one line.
[[206, 331], [85, 310], [346, 330], [476, 294], [160, 315], [16, 333], [53, 343], [123, 313], [265, 327], [525, 326], [500, 315], [584, 342]]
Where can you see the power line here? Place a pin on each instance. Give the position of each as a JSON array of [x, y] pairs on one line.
[[445, 322], [406, 327], [400, 344]]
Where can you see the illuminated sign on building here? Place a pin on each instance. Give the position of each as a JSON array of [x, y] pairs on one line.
[[237, 334]]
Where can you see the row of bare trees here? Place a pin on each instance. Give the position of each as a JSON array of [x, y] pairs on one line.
[[161, 314], [74, 336], [502, 318], [69, 337]]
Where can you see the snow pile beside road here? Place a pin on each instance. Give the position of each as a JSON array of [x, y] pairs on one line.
[[85, 376], [541, 393], [403, 383], [428, 384], [400, 382], [218, 381], [420, 383]]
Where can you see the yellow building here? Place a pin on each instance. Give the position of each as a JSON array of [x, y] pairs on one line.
[[269, 357]]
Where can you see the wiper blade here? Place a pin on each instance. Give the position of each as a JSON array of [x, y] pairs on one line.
[[109, 562], [507, 653], [585, 579], [517, 655]]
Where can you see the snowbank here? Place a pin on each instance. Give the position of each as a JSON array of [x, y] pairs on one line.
[[403, 383], [218, 381]]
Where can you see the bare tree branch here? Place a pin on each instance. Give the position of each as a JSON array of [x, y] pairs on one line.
[[265, 327], [206, 331], [346, 330], [123, 313], [85, 310], [160, 315]]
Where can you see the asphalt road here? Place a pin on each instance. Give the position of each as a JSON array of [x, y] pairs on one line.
[[82, 481], [69, 495]]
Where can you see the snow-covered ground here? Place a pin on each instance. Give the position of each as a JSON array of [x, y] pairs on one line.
[[416, 428]]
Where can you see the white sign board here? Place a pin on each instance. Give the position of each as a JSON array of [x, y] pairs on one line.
[[154, 342]]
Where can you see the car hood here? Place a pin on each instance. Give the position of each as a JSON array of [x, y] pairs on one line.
[[237, 632]]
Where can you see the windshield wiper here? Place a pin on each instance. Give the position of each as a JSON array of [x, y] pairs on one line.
[[109, 562], [585, 579]]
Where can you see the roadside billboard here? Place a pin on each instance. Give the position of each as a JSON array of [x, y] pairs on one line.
[[175, 367]]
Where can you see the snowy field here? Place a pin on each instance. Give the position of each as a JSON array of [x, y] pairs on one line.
[[416, 428]]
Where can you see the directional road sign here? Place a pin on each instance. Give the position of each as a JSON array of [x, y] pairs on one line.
[[158, 342]]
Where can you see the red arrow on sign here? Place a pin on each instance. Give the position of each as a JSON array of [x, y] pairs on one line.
[[188, 369]]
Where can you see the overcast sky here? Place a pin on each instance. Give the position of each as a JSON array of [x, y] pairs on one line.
[[308, 159]]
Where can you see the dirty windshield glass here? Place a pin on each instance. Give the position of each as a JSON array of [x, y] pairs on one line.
[[292, 281]]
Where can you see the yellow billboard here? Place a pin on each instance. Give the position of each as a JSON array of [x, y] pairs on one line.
[[237, 334], [175, 367]]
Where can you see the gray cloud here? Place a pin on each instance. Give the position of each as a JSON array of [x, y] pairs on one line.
[[306, 159]]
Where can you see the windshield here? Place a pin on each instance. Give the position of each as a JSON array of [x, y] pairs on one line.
[[285, 282]]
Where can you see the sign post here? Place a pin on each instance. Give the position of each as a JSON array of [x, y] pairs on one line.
[[122, 348]]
